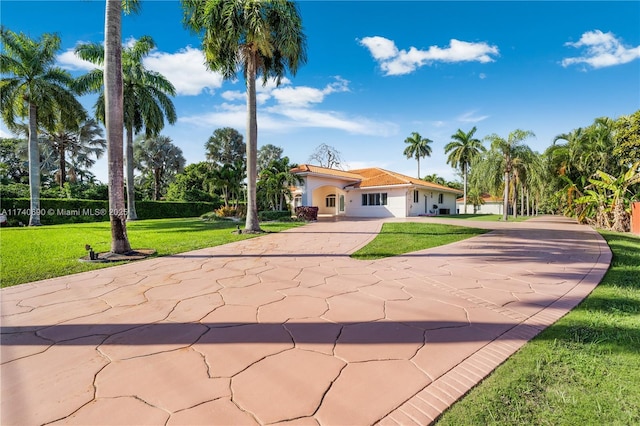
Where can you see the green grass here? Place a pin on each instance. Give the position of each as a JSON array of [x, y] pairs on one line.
[[400, 238], [37, 253], [485, 217], [583, 370]]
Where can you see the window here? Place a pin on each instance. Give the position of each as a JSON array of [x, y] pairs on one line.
[[376, 199], [416, 195], [330, 201], [297, 201], [440, 198]]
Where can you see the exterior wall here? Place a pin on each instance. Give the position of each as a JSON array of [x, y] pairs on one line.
[[319, 199], [396, 203], [486, 208]]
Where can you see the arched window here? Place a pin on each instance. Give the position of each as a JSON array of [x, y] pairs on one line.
[[330, 201]]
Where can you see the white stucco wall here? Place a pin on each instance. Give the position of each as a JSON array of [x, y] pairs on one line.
[[396, 204], [487, 208]]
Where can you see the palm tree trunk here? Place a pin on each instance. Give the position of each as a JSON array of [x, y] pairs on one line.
[[418, 167], [63, 166], [156, 184], [131, 189], [34, 167], [505, 198], [114, 118], [251, 223], [465, 189]]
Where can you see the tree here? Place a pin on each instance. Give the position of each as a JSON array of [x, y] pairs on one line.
[[462, 150], [13, 168], [266, 154], [506, 148], [228, 179], [146, 99], [418, 148], [225, 146], [255, 36], [326, 156], [275, 182], [81, 142], [627, 135], [195, 183], [33, 87], [159, 160]]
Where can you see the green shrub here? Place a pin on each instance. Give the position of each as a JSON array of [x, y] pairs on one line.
[[274, 215], [59, 211]]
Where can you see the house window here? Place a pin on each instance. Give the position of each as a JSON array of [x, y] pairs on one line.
[[416, 195], [375, 199], [330, 201], [440, 198]]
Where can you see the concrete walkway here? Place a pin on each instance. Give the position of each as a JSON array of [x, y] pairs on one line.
[[288, 329]]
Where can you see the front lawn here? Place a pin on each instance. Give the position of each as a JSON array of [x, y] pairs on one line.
[[404, 237], [583, 370], [36, 253]]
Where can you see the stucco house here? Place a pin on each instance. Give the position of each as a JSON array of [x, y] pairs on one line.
[[370, 192], [490, 205]]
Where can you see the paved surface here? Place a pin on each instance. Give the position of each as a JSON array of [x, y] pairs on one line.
[[287, 329]]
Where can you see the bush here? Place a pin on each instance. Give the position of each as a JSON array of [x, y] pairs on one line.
[[59, 211], [274, 215], [307, 213]]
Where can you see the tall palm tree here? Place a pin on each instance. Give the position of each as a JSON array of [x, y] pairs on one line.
[[81, 142], [506, 148], [255, 36], [33, 87], [462, 150], [146, 98], [418, 148]]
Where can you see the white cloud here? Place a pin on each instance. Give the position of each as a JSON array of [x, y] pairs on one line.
[[470, 117], [380, 47], [601, 50], [303, 96], [398, 62], [233, 95], [185, 69], [69, 61]]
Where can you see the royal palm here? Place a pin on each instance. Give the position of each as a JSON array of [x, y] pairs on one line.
[[32, 87], [462, 150], [256, 37], [418, 147], [146, 98]]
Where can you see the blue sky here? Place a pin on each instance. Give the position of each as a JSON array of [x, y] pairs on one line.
[[378, 71]]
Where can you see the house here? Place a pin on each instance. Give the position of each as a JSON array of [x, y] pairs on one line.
[[490, 205], [370, 192]]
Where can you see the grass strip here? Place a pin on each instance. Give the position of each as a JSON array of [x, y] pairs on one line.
[[397, 238], [583, 370], [37, 253]]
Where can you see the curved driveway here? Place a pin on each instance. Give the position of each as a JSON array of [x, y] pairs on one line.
[[287, 328]]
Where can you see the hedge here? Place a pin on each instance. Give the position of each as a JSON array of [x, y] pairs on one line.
[[59, 211], [274, 215]]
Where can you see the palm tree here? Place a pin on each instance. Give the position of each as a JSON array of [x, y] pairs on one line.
[[462, 150], [33, 87], [255, 36], [157, 157], [146, 98], [81, 142], [277, 179], [506, 148], [418, 148]]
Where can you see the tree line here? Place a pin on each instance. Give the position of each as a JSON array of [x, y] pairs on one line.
[[591, 173]]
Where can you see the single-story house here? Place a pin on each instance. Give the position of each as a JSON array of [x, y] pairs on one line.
[[370, 192], [490, 205]]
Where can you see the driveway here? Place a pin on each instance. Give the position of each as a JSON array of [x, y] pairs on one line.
[[288, 329]]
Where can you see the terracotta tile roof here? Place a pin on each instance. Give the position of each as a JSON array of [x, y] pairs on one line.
[[373, 177], [308, 168]]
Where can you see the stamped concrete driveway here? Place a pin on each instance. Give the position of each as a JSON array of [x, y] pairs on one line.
[[288, 329]]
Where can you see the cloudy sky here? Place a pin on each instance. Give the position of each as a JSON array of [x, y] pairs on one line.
[[378, 71]]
